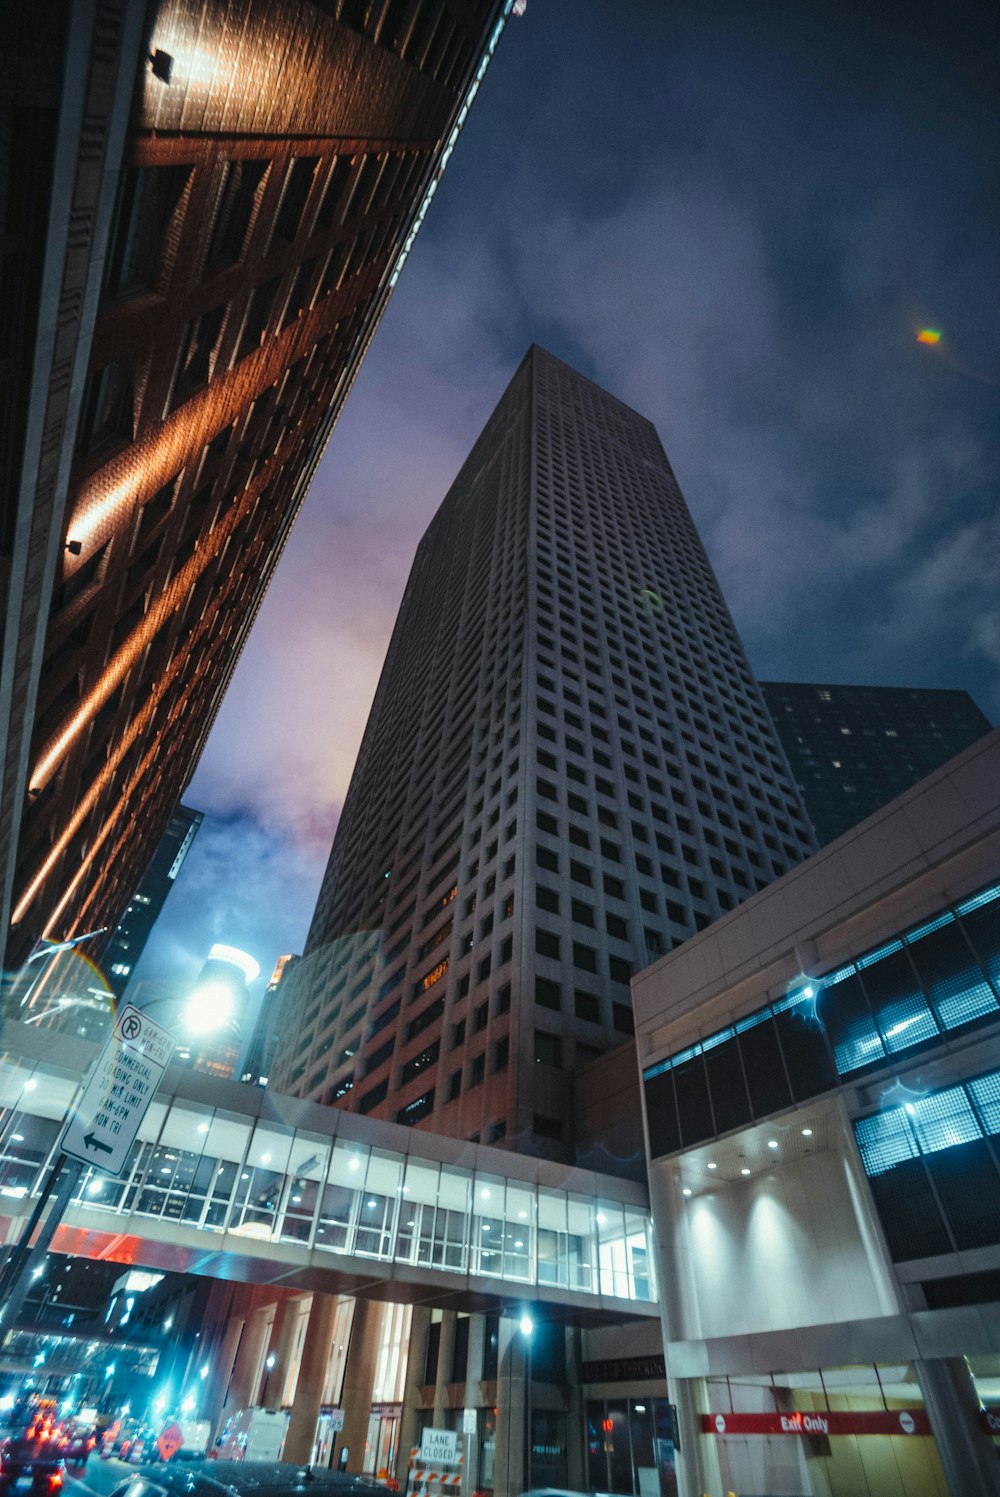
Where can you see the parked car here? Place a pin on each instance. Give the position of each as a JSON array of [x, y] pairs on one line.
[[31, 1465], [246, 1479]]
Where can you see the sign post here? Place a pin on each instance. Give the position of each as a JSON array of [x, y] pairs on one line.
[[100, 1132]]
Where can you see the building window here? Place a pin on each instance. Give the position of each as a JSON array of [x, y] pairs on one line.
[[420, 1062], [293, 200], [548, 1049], [584, 957], [107, 412], [587, 1006], [547, 944], [547, 993], [194, 367], [415, 1111], [239, 195], [622, 1019], [146, 217]]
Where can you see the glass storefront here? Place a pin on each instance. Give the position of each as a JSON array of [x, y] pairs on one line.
[[629, 1446]]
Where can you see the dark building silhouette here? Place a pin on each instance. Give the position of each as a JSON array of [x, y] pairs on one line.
[[143, 909], [568, 770], [205, 209], [266, 1037], [853, 749]]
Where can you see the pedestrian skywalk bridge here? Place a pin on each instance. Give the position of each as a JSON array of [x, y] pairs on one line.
[[239, 1183]]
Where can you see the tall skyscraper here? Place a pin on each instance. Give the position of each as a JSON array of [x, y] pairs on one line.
[[266, 1035], [853, 749], [143, 909], [205, 208], [568, 769]]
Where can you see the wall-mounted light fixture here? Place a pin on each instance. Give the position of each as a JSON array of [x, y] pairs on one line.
[[161, 65]]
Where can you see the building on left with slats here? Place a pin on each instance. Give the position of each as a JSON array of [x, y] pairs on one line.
[[204, 208]]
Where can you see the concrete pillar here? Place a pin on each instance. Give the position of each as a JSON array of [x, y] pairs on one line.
[[216, 1385], [512, 1407], [967, 1452], [576, 1422], [243, 1383], [446, 1355], [473, 1400], [359, 1379], [312, 1379], [416, 1357], [282, 1349], [698, 1469]]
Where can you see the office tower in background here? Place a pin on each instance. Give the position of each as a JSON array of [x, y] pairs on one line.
[[143, 909], [853, 749], [265, 1037], [567, 771], [205, 211]]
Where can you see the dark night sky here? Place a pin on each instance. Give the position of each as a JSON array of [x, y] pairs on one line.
[[736, 217]]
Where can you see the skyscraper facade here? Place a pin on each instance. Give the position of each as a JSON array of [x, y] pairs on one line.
[[853, 749], [143, 909], [208, 207], [568, 770]]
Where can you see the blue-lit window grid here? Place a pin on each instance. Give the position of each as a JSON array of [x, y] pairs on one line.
[[933, 1163], [938, 976]]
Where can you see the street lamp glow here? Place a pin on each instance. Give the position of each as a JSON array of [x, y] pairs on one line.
[[209, 1008], [526, 1325]]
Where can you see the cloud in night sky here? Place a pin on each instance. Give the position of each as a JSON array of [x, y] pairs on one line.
[[736, 217]]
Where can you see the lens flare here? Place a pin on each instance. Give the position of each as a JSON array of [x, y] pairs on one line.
[[929, 335]]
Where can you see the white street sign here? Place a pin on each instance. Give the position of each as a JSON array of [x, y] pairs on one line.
[[122, 1085], [336, 1420], [469, 1424], [439, 1446]]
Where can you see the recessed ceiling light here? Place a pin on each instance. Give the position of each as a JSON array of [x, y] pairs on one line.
[[807, 1133], [772, 1143], [686, 1191], [744, 1171], [713, 1166]]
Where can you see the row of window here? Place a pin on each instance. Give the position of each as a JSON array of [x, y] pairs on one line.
[[933, 1164], [941, 976]]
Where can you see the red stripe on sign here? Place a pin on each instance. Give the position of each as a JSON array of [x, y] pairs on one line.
[[820, 1422]]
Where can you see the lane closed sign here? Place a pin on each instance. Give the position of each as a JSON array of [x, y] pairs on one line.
[[439, 1447]]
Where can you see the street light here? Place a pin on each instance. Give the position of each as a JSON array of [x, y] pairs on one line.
[[268, 1363]]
